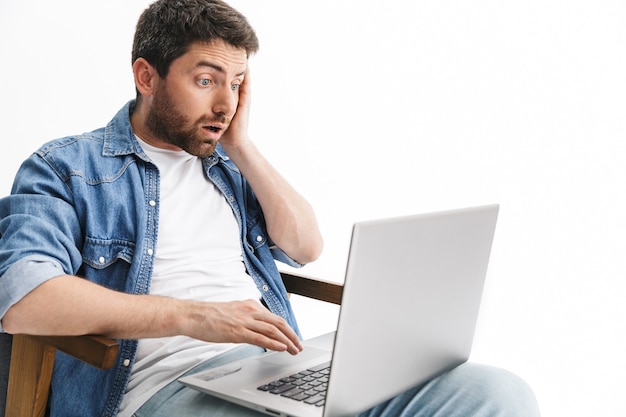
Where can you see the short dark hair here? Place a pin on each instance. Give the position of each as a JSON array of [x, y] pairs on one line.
[[167, 28]]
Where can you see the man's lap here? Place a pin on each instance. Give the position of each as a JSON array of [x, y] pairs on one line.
[[468, 390], [176, 399]]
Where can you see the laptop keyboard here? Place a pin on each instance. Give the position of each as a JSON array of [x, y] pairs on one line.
[[308, 386]]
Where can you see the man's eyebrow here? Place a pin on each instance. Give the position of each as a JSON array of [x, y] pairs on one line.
[[217, 67]]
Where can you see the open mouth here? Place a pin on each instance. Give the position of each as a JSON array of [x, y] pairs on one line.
[[213, 128]]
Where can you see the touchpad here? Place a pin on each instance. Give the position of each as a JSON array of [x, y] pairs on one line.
[[286, 359]]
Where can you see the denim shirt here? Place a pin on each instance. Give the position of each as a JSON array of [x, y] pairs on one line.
[[88, 205]]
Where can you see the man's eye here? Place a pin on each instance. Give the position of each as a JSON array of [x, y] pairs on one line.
[[204, 82], [235, 87]]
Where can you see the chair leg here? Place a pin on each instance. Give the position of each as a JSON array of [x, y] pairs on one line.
[[27, 396]]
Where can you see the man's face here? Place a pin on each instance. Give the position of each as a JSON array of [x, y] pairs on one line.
[[193, 106]]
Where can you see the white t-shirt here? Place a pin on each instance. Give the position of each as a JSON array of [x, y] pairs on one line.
[[198, 256]]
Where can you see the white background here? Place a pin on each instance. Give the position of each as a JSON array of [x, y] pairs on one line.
[[376, 110]]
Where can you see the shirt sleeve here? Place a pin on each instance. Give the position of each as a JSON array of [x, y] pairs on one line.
[[39, 232], [281, 256], [23, 276]]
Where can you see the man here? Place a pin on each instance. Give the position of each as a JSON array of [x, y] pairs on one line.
[[162, 229]]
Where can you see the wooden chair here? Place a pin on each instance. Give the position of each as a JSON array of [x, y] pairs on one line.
[[32, 357]]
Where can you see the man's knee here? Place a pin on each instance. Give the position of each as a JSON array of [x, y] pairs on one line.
[[489, 391]]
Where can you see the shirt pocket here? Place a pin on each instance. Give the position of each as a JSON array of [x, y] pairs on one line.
[[102, 253]]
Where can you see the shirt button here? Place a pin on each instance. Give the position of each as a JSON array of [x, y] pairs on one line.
[[259, 238], [101, 259], [152, 203], [265, 288], [126, 362], [150, 251]]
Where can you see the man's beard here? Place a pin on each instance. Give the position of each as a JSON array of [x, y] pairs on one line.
[[167, 123]]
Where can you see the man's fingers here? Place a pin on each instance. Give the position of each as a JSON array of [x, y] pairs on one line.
[[276, 329], [277, 337], [250, 322]]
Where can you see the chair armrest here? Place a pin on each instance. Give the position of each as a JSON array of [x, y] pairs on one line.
[[322, 290], [32, 361], [97, 351]]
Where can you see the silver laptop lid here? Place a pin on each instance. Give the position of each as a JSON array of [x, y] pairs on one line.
[[411, 299]]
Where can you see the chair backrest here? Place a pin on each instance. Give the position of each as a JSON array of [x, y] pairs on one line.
[[5, 360]]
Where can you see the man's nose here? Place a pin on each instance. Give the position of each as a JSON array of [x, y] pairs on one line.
[[225, 101]]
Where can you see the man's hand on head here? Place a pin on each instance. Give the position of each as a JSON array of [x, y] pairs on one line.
[[237, 131]]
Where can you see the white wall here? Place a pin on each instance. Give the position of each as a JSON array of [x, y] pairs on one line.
[[380, 110]]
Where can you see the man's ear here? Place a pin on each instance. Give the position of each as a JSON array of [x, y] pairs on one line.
[[146, 77]]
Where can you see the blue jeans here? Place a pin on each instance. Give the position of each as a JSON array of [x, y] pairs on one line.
[[468, 390]]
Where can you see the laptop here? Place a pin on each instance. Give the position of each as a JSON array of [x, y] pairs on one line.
[[410, 303]]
